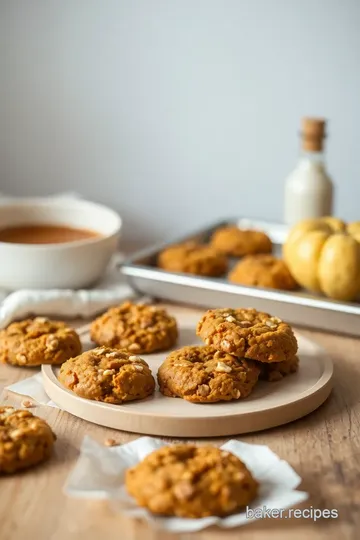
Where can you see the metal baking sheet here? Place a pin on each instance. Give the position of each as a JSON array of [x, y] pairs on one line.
[[299, 308]]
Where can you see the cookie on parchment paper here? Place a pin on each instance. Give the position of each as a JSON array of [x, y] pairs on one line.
[[191, 482]]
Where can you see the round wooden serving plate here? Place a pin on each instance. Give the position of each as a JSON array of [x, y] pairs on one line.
[[271, 404]]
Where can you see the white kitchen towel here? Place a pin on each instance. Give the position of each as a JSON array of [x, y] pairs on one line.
[[66, 303]]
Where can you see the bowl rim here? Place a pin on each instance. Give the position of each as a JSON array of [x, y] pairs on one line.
[[54, 201]]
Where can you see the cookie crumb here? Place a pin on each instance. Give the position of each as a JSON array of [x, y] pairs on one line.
[[41, 320], [226, 345], [27, 404], [134, 347], [113, 354], [183, 490], [110, 442], [100, 351], [21, 358], [221, 366], [138, 367], [52, 343], [203, 390], [270, 324], [109, 372]]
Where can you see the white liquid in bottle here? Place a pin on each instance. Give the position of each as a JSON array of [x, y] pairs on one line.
[[309, 189]]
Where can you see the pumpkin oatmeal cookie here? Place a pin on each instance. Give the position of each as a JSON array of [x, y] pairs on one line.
[[263, 271], [137, 327], [191, 482], [237, 242], [38, 341], [192, 258], [25, 440], [247, 333], [277, 370], [204, 375], [108, 375]]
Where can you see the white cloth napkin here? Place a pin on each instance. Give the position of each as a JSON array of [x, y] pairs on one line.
[[66, 303], [83, 303], [100, 471]]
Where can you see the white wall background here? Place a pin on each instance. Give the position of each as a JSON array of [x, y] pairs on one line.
[[176, 112]]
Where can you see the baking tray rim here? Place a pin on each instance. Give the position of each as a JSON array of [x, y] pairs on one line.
[[131, 268]]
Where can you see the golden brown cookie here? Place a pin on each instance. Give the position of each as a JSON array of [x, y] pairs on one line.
[[247, 333], [204, 375], [277, 370], [263, 271], [191, 482], [25, 440], [192, 258], [109, 375], [137, 327], [238, 242], [38, 341]]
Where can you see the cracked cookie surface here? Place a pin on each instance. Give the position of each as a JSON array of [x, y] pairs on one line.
[[204, 375], [191, 482], [248, 333], [263, 271], [140, 328], [38, 341], [275, 371], [25, 440], [109, 375], [237, 242], [192, 258]]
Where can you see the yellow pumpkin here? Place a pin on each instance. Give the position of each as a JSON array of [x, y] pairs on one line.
[[323, 255]]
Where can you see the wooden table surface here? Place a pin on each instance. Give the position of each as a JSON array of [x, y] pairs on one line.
[[324, 448]]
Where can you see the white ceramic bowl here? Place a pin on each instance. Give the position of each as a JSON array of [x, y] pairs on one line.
[[66, 265]]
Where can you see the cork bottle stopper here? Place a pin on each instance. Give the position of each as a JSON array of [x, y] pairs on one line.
[[313, 134]]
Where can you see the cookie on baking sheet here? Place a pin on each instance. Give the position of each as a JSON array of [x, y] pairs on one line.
[[191, 482], [247, 333], [263, 271], [137, 327], [237, 242], [109, 375], [192, 258], [25, 440], [204, 375], [38, 341], [277, 370]]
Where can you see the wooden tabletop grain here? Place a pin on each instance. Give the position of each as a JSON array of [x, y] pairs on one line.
[[324, 448]]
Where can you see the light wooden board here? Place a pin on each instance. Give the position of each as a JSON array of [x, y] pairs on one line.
[[271, 403]]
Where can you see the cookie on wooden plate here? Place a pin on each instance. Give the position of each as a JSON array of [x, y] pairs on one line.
[[205, 375], [248, 333], [109, 375], [140, 328], [275, 371]]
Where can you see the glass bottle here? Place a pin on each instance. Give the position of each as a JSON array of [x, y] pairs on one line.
[[309, 189]]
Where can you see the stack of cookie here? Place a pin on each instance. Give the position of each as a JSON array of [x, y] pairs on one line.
[[241, 346]]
